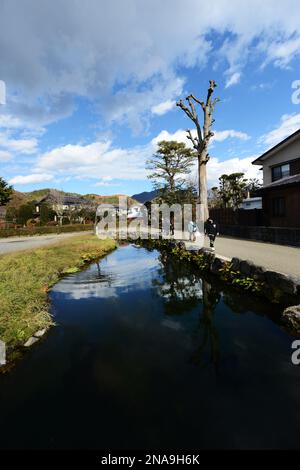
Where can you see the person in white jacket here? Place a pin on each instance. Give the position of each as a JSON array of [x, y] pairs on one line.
[[192, 229]]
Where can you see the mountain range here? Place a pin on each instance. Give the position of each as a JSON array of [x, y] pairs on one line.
[[145, 196], [20, 198]]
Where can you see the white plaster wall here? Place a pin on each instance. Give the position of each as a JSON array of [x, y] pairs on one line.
[[290, 152]]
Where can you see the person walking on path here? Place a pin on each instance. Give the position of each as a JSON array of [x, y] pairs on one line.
[[192, 229], [211, 230]]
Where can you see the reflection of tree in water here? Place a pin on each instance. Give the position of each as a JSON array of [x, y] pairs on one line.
[[208, 331], [108, 278], [96, 276], [183, 290], [178, 285]]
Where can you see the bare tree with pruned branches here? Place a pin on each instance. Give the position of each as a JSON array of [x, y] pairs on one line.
[[201, 140]]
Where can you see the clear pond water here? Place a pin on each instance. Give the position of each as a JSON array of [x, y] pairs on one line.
[[145, 354]]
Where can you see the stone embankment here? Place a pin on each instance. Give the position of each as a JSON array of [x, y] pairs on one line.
[[277, 287]]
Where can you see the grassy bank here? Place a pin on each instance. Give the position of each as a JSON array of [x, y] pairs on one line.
[[25, 278]]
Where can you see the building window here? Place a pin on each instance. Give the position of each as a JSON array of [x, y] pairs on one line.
[[280, 171], [278, 207]]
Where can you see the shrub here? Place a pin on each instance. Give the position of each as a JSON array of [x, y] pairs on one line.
[[31, 223], [236, 278], [41, 230]]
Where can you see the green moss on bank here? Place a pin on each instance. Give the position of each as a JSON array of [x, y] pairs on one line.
[[204, 263], [25, 278]]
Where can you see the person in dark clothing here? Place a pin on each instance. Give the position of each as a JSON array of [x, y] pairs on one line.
[[211, 230]]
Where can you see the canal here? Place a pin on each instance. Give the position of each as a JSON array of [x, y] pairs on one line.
[[146, 354]]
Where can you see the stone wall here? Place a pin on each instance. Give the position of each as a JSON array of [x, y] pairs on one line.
[[276, 287]]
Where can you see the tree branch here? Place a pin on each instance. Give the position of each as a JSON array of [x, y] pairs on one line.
[[189, 99], [194, 140], [202, 104], [212, 86], [185, 109]]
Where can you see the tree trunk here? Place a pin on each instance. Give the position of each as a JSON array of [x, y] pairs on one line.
[[202, 182]]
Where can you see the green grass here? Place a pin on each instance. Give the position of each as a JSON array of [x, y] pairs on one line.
[[25, 278]]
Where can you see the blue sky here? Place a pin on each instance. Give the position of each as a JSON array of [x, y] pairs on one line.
[[91, 86]]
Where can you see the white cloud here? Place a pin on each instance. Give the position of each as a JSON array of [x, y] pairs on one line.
[[106, 181], [131, 106], [69, 157], [8, 121], [181, 136], [289, 124], [24, 146], [31, 179], [282, 51], [105, 184], [74, 53], [219, 136], [163, 107], [10, 140], [14, 124], [233, 79], [98, 160], [216, 168], [107, 164], [5, 156]]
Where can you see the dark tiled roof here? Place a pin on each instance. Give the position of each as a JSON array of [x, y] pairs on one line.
[[73, 200], [288, 180], [65, 200]]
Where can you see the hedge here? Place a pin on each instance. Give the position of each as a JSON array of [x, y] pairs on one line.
[[10, 232]]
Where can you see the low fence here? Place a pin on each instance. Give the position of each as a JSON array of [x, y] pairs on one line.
[[10, 232], [250, 224], [251, 217], [279, 235]]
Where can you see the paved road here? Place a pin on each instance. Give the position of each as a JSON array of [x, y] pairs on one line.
[[280, 258], [11, 244], [284, 259]]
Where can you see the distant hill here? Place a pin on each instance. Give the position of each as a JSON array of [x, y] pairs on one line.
[[36, 195], [145, 196], [18, 198], [40, 193], [114, 199]]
